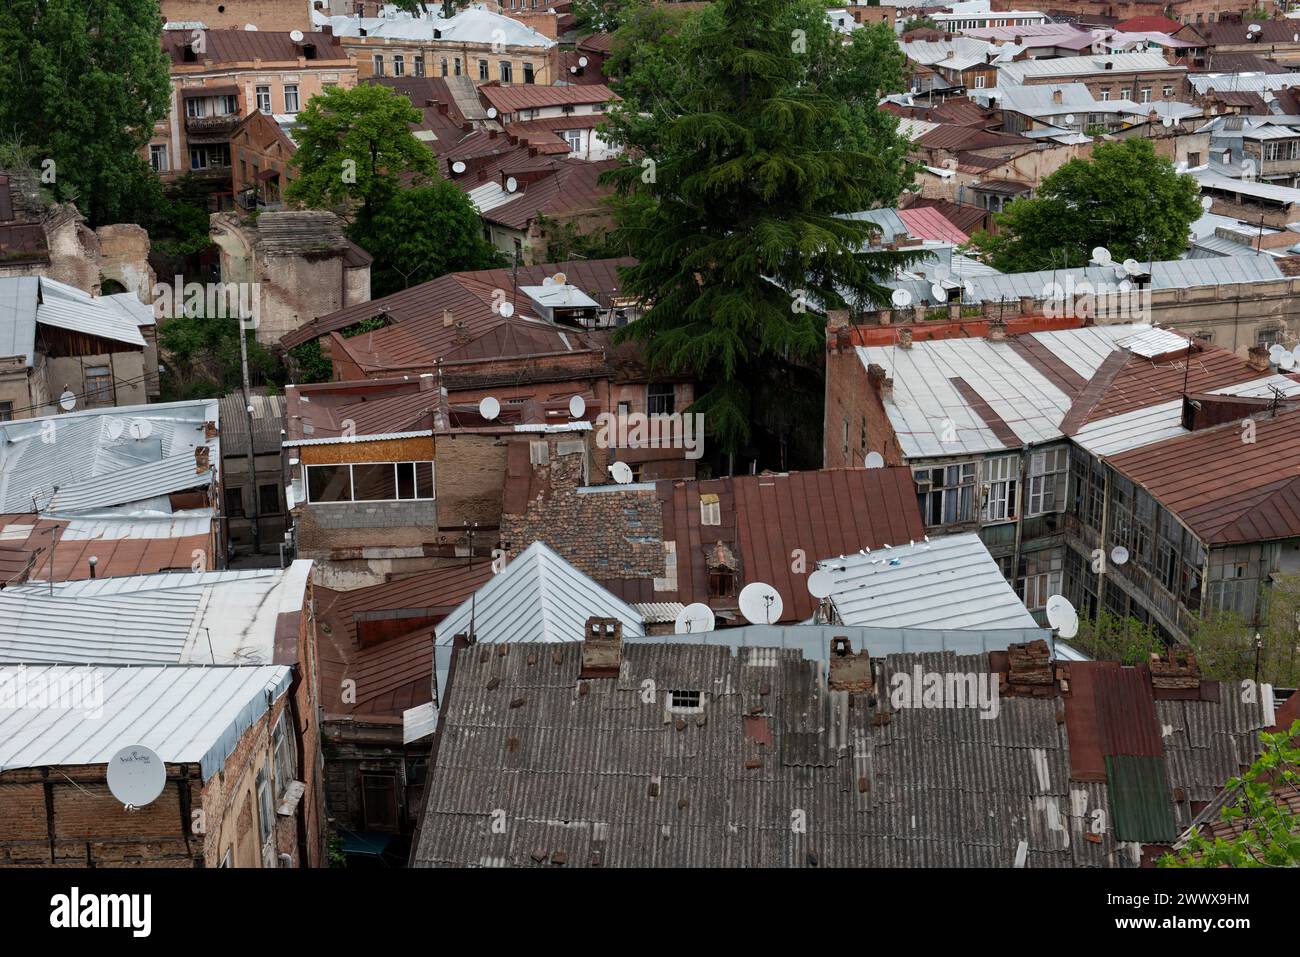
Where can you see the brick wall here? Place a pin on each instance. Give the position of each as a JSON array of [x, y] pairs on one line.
[[853, 396], [471, 471], [263, 14]]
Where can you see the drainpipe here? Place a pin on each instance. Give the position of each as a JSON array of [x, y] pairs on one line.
[[1105, 517]]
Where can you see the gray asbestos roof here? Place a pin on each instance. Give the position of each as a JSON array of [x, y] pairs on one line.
[[185, 714], [104, 457], [899, 587]]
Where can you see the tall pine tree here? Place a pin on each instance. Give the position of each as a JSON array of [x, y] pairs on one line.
[[739, 159]]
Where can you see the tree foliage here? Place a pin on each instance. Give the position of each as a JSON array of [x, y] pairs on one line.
[[598, 15], [84, 82], [201, 358], [746, 134], [420, 234], [356, 149], [1270, 831], [1125, 198], [1112, 638]]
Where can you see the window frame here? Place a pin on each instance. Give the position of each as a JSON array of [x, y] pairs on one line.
[[397, 482]]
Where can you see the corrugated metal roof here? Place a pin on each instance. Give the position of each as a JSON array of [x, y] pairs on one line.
[[897, 587], [67, 307], [1145, 62], [191, 715], [1140, 799], [197, 617], [268, 421], [814, 641], [18, 316]]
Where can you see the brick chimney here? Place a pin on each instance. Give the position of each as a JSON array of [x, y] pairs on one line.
[[905, 338], [602, 648], [1176, 669], [201, 459], [1058, 96], [837, 318], [448, 320], [997, 330], [1257, 358], [210, 431], [848, 671]]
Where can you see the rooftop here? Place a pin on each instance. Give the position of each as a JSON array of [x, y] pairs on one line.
[[29, 301], [244, 46]]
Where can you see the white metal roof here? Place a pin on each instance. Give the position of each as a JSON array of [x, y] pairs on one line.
[[105, 457], [1253, 188], [948, 582], [1146, 62], [192, 715], [18, 316], [472, 25], [67, 307], [1243, 82], [224, 617]]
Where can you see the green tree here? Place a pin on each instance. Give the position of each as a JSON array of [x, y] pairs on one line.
[[1256, 802], [356, 149], [201, 358], [598, 15], [421, 234], [310, 364], [1111, 638], [737, 168], [920, 23], [84, 82], [1125, 198]]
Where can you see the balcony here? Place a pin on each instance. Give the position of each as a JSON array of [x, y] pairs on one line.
[[217, 127]]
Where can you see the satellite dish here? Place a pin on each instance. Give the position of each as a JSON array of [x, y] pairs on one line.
[[1255, 28], [1132, 267], [820, 584], [577, 407], [1062, 616], [1167, 122], [491, 112], [560, 279], [1206, 202], [458, 167], [1295, 354], [1287, 362], [694, 619], [115, 428], [512, 184], [1119, 555], [250, 27], [760, 603], [875, 460], [621, 472], [489, 407], [141, 428], [295, 36], [67, 401], [1069, 118], [1101, 256], [901, 298], [1275, 352], [582, 61], [507, 309], [938, 291], [573, 70], [548, 281], [136, 775]]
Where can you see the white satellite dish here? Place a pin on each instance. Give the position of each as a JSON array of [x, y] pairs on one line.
[[1206, 202], [136, 775], [1069, 118], [512, 184], [901, 298], [1119, 555], [573, 70], [875, 460], [1255, 28], [1101, 256], [1132, 267], [489, 407], [577, 407], [694, 619], [507, 309], [1287, 362], [458, 167], [938, 291], [1167, 122], [491, 112], [760, 603], [1062, 616], [820, 584], [295, 36], [582, 61], [1125, 286], [1295, 354], [115, 428], [560, 279], [1275, 352], [141, 428], [250, 27], [548, 281], [621, 472], [67, 401]]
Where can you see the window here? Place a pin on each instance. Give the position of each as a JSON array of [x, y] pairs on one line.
[[1168, 91], [399, 65], [234, 503], [685, 702], [370, 482], [979, 82], [710, 509], [379, 801], [659, 398], [1000, 481], [1043, 577], [379, 64], [264, 99], [483, 69], [6, 411], [158, 158], [456, 65], [226, 106], [507, 71], [1193, 159], [266, 813], [1105, 95], [444, 67], [1047, 477], [291, 98], [419, 65], [1146, 94], [268, 499], [99, 385], [529, 77], [286, 763], [722, 584], [1268, 337], [574, 138], [538, 452], [946, 494], [196, 107]]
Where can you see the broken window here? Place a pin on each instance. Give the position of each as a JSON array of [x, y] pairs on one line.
[[685, 702], [1048, 471], [946, 494]]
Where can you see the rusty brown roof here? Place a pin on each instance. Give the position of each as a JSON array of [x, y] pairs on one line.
[[527, 96], [242, 46]]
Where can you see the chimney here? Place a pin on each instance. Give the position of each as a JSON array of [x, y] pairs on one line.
[[1176, 669], [905, 338], [837, 318], [602, 648], [447, 319], [201, 454], [1058, 96], [92, 561], [997, 330], [1257, 358], [428, 381], [462, 331], [1030, 664], [848, 671], [492, 134], [210, 431], [1026, 305]]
